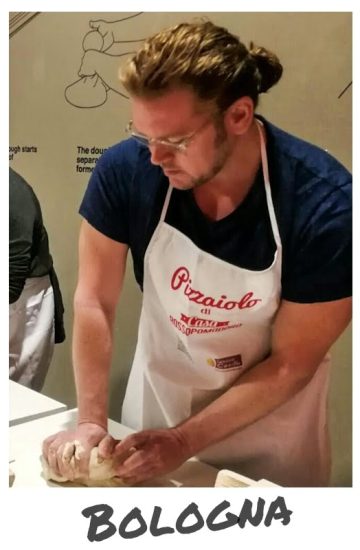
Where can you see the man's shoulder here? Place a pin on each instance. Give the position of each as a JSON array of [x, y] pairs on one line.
[[128, 163], [313, 207], [122, 191], [303, 162], [127, 152]]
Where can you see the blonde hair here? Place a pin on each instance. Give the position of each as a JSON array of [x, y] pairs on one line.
[[205, 57]]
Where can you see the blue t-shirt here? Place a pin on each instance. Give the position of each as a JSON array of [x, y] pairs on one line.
[[311, 193]]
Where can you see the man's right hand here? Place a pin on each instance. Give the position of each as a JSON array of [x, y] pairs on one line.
[[68, 459]]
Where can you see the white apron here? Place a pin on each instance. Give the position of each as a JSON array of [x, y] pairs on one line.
[[31, 333], [203, 323]]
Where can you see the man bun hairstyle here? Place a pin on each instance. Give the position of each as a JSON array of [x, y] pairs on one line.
[[269, 68], [210, 60]]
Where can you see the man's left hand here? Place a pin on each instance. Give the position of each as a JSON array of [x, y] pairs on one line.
[[152, 453]]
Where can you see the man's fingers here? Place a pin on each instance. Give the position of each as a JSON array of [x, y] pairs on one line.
[[66, 469], [133, 466], [47, 442], [106, 447], [68, 451], [130, 443], [69, 460], [52, 459], [82, 458], [65, 466]]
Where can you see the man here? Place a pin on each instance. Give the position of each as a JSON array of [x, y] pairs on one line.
[[35, 301], [241, 240]]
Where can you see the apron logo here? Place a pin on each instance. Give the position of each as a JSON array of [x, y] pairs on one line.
[[225, 363], [195, 325], [181, 281], [198, 322]]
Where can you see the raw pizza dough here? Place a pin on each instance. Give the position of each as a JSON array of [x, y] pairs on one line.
[[101, 474]]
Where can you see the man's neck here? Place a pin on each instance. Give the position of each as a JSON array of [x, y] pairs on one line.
[[222, 195]]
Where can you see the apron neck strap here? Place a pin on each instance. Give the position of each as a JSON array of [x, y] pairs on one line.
[[265, 170], [166, 203]]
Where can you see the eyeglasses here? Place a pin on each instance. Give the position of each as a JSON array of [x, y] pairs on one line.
[[175, 143]]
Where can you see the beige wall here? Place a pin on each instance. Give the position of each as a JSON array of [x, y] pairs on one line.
[[45, 55]]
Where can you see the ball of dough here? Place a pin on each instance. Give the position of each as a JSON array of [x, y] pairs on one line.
[[100, 473], [93, 41]]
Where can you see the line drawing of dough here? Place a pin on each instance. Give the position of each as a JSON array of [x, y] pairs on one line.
[[103, 46]]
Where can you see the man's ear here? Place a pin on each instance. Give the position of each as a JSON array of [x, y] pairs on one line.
[[239, 116]]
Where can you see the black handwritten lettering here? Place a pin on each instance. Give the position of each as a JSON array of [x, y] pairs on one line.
[[246, 513], [154, 529], [99, 521], [135, 514], [192, 509], [231, 519], [283, 514], [101, 528]]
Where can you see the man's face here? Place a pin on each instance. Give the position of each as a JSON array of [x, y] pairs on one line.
[[176, 115]]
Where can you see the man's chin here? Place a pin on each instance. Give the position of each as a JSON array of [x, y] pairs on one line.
[[179, 180]]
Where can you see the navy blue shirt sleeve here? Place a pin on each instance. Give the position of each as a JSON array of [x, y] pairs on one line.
[[318, 266], [106, 201]]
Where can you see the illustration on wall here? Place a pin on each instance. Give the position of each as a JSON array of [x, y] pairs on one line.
[[103, 46]]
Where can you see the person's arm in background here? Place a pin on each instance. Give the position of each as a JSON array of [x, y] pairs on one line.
[[23, 213], [102, 263]]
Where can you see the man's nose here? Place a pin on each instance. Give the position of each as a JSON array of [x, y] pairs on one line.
[[160, 153]]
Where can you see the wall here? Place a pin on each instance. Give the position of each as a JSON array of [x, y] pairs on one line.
[[52, 119]]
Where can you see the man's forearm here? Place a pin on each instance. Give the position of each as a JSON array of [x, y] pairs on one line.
[[92, 349], [257, 392]]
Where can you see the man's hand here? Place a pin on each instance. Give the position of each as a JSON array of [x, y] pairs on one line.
[[69, 459], [152, 453]]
